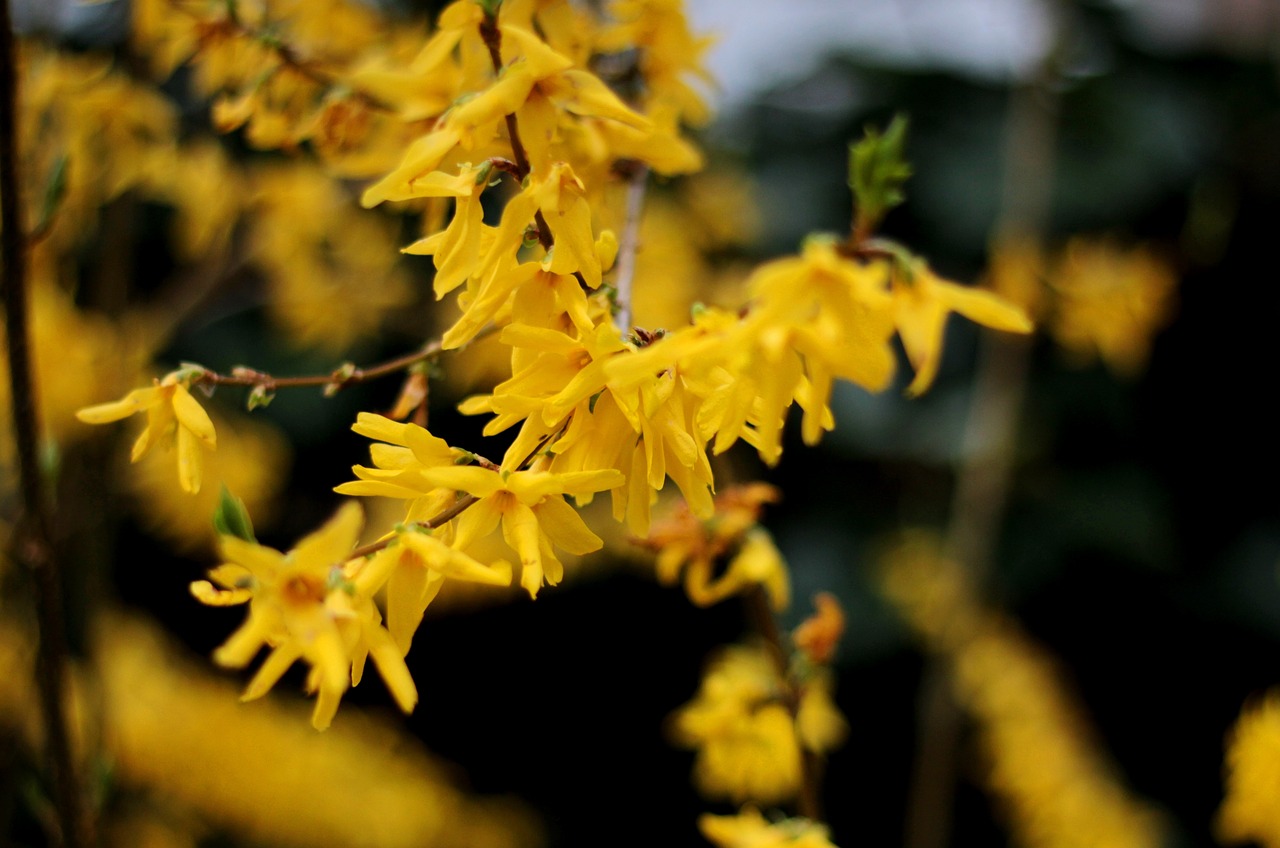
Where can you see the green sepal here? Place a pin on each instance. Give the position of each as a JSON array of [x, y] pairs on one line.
[[231, 518]]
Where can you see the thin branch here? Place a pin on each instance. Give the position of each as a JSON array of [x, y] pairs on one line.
[[492, 37], [809, 803], [334, 381], [289, 58], [986, 469], [33, 537], [630, 245]]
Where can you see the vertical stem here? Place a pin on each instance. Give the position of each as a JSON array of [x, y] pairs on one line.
[[986, 469], [34, 548], [630, 245], [809, 804]]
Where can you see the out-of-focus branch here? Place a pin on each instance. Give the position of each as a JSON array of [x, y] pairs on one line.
[[33, 536], [990, 441]]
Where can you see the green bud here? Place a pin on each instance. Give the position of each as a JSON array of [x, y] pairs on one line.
[[231, 518], [260, 396]]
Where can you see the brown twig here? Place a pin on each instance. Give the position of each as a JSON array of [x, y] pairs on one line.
[[334, 381], [492, 37], [809, 803], [33, 537]]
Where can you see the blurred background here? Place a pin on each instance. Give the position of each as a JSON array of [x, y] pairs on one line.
[[1121, 156]]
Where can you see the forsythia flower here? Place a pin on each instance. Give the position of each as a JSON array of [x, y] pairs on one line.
[[532, 510], [172, 415], [1251, 810], [748, 744], [749, 829], [306, 605], [921, 303], [529, 504], [684, 542], [1109, 303], [819, 634]]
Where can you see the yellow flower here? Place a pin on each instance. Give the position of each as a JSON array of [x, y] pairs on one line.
[[532, 510], [172, 415], [749, 829], [307, 604], [1251, 810], [746, 740], [399, 464], [414, 569], [1109, 302], [685, 542], [921, 303]]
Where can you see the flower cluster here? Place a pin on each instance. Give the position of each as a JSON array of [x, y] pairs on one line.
[[522, 130]]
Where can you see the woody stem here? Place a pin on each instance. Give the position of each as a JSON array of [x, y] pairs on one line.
[[33, 536]]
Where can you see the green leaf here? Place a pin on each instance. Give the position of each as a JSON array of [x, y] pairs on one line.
[[490, 7], [55, 188], [231, 518], [877, 171]]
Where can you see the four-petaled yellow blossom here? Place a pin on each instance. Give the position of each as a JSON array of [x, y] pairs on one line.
[[749, 829], [532, 510], [309, 604], [173, 415]]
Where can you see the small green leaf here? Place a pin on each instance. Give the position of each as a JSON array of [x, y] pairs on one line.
[[877, 171], [231, 518], [490, 7]]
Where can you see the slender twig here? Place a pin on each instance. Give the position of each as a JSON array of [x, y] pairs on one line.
[[339, 378], [492, 37], [34, 546], [289, 57], [630, 245], [809, 803]]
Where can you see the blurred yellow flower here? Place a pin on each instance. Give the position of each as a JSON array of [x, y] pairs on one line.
[[1251, 809], [178, 743], [1109, 302], [749, 829], [1041, 757], [748, 744]]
